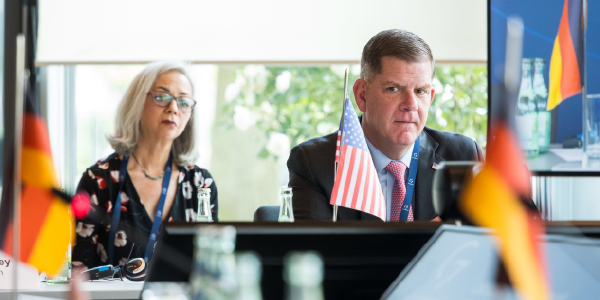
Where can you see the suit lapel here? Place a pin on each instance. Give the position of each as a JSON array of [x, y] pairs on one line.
[[423, 206]]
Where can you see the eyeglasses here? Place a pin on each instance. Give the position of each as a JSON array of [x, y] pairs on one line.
[[163, 99]]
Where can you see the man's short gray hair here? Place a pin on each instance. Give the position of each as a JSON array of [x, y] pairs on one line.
[[398, 43], [129, 115]]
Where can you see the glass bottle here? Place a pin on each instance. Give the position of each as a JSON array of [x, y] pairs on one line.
[[286, 211], [204, 214], [541, 100], [248, 273], [210, 281], [200, 277], [166, 291], [64, 274], [526, 120], [303, 273], [225, 277]]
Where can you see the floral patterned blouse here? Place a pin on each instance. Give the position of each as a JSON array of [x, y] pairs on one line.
[[101, 182]]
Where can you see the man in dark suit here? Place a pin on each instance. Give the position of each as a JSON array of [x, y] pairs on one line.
[[394, 93]]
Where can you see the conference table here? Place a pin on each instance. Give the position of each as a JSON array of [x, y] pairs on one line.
[[363, 257]]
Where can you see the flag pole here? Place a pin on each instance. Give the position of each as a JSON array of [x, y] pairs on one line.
[[19, 94], [584, 100], [335, 207]]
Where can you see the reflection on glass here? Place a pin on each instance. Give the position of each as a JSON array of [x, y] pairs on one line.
[[250, 116], [541, 100], [526, 119]]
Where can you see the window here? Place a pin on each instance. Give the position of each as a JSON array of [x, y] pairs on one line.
[[249, 117]]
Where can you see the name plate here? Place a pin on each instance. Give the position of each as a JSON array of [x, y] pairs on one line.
[[28, 277]]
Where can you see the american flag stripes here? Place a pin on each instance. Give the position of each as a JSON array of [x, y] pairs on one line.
[[356, 184]]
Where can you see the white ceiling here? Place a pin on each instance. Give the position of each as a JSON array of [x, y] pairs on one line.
[[257, 31]]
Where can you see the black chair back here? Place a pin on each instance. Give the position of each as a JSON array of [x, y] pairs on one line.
[[267, 213]]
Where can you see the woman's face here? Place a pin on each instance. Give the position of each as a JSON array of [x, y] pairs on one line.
[[166, 123]]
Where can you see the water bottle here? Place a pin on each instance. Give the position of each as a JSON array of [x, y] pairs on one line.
[[204, 213], [64, 274], [225, 277], [526, 119], [303, 273], [541, 100], [213, 274], [201, 276], [248, 273], [166, 291], [286, 211]]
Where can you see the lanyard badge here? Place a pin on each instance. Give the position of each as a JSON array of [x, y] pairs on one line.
[[412, 180], [157, 217]]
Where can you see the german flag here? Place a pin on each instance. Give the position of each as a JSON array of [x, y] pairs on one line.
[[44, 222], [566, 63], [497, 198]]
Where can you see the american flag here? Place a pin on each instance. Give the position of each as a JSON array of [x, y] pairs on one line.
[[356, 183]]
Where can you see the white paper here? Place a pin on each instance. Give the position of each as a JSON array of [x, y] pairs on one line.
[[569, 155], [28, 275]]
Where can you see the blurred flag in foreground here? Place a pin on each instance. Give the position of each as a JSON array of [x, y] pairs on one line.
[[356, 183], [44, 222], [495, 198], [498, 196], [566, 63]]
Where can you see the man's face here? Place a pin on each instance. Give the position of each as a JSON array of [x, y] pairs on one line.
[[395, 104]]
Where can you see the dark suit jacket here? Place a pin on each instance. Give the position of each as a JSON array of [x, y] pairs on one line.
[[311, 166]]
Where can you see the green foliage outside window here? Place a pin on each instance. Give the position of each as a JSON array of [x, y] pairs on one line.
[[460, 104], [294, 104]]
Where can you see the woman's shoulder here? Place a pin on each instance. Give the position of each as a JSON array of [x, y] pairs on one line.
[[102, 175], [193, 168], [111, 162], [198, 176], [106, 166]]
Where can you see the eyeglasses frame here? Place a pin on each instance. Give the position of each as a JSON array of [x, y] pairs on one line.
[[151, 93]]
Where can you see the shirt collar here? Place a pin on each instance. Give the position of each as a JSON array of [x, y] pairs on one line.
[[380, 160]]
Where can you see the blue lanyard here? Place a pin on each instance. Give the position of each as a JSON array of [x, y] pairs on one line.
[[157, 217], [412, 179]]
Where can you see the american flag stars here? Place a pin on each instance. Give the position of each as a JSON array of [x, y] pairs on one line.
[[353, 135]]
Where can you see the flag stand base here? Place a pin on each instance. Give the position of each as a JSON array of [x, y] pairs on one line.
[[335, 210]]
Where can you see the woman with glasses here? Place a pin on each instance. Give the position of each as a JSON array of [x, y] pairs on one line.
[[151, 178]]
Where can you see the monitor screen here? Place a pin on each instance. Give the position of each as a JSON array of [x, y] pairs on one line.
[[462, 263], [552, 141]]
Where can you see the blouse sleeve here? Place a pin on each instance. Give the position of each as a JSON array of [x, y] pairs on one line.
[[91, 230]]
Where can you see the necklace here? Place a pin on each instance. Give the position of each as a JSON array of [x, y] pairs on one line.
[[146, 174]]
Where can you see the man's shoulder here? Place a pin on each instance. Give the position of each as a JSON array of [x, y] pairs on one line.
[[444, 136], [319, 143], [314, 153], [452, 145]]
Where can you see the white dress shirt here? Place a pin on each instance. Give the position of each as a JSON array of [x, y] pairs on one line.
[[386, 179]]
